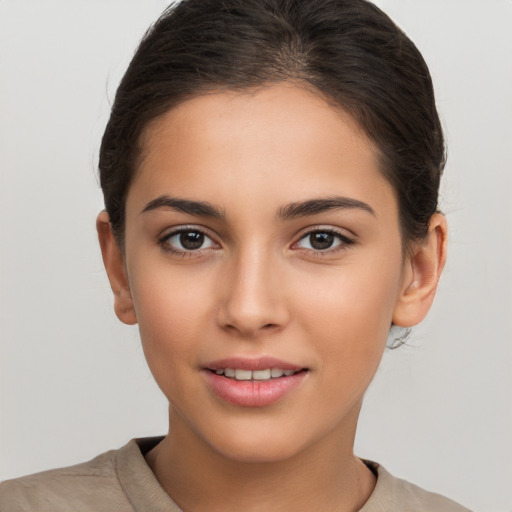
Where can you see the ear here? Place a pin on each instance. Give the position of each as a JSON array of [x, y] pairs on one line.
[[114, 265], [422, 269]]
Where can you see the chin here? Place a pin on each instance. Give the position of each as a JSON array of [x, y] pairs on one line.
[[258, 453], [258, 443]]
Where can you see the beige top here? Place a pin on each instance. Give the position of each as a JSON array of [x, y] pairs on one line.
[[121, 481]]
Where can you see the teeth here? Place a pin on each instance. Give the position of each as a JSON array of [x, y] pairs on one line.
[[261, 374], [267, 374], [243, 374]]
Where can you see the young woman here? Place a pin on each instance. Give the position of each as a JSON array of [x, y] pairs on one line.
[[270, 172]]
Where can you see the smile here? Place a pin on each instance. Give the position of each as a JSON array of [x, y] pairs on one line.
[[248, 382], [259, 375]]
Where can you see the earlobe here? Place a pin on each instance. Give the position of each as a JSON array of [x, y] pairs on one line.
[[422, 271], [114, 265]]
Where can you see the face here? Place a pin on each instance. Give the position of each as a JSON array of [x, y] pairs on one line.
[[264, 261]]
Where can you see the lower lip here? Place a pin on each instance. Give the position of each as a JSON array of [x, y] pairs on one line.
[[253, 393]]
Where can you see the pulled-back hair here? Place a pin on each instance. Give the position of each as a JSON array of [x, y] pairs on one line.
[[348, 50]]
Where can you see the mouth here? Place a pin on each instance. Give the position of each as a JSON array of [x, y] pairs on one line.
[[254, 382], [255, 375]]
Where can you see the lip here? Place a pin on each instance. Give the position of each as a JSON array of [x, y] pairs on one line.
[[245, 363], [252, 393]]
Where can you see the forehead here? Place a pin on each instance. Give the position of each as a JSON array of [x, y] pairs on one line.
[[281, 141]]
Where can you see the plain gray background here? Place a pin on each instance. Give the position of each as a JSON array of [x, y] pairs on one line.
[[73, 379]]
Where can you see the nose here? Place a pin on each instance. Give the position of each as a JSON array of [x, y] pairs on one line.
[[253, 300]]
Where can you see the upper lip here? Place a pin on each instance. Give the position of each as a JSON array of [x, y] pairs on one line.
[[253, 364]]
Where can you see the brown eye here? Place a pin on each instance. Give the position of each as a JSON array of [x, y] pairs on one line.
[[187, 240], [191, 240], [323, 241]]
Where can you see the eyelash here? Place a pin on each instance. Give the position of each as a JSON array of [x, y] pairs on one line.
[[344, 242], [165, 245]]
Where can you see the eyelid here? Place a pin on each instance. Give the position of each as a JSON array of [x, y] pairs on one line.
[[346, 240], [176, 230]]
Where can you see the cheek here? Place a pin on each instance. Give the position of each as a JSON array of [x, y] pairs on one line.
[[350, 302], [163, 312], [348, 315], [168, 298], [172, 312]]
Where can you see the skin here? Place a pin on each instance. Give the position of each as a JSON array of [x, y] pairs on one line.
[[258, 287]]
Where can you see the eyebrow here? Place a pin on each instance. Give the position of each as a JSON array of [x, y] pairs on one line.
[[315, 206], [198, 208], [287, 212]]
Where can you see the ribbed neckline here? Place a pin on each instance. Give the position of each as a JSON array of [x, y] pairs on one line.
[[145, 492], [138, 481]]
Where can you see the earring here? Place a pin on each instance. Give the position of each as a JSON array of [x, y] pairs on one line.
[[397, 336]]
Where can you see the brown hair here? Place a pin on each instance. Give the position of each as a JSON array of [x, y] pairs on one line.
[[349, 50]]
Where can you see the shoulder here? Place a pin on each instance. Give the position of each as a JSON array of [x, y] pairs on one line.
[[393, 494], [90, 486]]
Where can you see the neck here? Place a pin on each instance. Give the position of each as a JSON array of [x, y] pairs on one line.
[[323, 476]]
